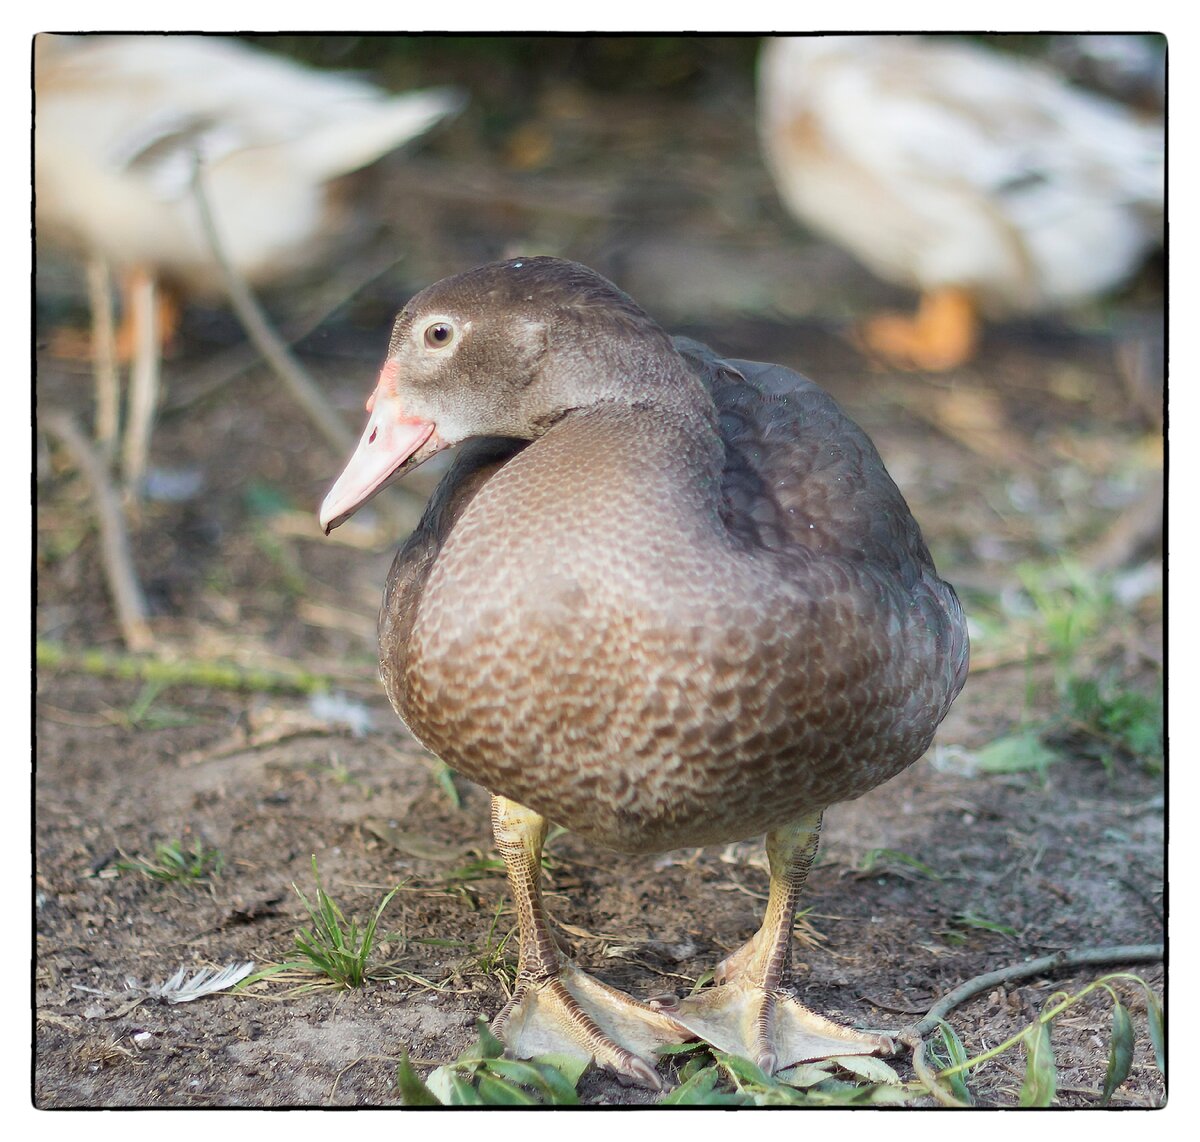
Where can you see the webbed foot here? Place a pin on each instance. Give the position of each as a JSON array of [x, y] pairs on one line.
[[770, 1026], [751, 1012], [573, 1013]]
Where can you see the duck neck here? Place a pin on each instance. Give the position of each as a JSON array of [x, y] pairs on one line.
[[654, 381]]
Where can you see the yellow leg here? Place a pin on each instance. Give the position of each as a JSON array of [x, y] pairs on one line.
[[556, 1006], [118, 340], [942, 334], [167, 316], [750, 1013]]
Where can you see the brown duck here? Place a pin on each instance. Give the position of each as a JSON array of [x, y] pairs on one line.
[[660, 598]]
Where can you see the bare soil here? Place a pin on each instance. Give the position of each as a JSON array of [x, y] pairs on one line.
[[1032, 452]]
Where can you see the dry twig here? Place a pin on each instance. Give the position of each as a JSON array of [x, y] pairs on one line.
[[269, 343], [913, 1037], [1122, 954], [233, 363], [280, 357], [116, 555]]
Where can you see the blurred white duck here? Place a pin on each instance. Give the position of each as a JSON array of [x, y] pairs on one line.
[[120, 122], [983, 181]]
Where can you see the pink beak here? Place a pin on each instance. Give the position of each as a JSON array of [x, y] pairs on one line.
[[390, 439]]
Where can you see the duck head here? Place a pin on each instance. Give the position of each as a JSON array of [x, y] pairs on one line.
[[506, 349]]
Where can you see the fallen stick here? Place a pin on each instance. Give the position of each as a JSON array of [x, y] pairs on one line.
[[279, 355], [913, 1037], [115, 553], [302, 387], [1124, 953], [235, 362]]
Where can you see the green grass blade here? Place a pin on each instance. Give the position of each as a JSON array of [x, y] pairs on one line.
[[330, 920], [1154, 1016], [413, 1092], [694, 1066], [779, 1094], [462, 1093], [869, 1068], [568, 1066], [804, 1075], [743, 1072], [700, 1090], [334, 946], [516, 1071], [489, 1046], [531, 1075], [681, 1048], [877, 857], [497, 1092], [970, 919], [485, 1047], [836, 1092], [958, 1055], [145, 699], [1041, 1076], [445, 782], [1120, 1052], [560, 1086], [1016, 753], [368, 939]]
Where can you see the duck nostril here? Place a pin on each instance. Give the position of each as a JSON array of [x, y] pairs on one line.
[[374, 433]]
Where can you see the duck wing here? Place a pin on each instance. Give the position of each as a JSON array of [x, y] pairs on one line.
[[801, 479], [799, 471]]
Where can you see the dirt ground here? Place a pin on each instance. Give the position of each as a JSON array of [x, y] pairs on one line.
[[1041, 448]]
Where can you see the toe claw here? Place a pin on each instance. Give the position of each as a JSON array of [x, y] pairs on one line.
[[667, 1001], [638, 1071]]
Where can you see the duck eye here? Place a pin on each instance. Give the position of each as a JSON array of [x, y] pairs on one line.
[[439, 335]]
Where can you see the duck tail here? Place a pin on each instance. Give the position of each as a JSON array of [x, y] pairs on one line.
[[367, 129]]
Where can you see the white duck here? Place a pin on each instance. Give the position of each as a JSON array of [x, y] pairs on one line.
[[120, 122], [983, 181]]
